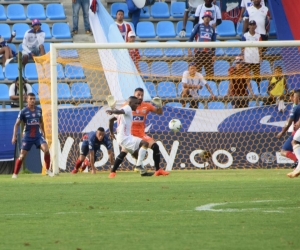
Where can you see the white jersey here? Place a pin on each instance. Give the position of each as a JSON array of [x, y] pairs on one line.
[[248, 3], [251, 54], [32, 40], [195, 3], [259, 15], [198, 79], [215, 11], [124, 123]]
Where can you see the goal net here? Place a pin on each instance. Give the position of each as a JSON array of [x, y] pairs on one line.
[[234, 113]]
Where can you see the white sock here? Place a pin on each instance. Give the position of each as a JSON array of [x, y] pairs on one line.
[[141, 156], [297, 153]]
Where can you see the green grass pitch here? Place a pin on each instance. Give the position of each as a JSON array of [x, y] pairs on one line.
[[214, 209]]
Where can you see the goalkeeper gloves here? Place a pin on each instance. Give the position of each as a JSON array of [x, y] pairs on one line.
[[111, 101], [182, 33], [157, 101]]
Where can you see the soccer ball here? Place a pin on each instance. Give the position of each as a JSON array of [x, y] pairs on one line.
[[175, 125]]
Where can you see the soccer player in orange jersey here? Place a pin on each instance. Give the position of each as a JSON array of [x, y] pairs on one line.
[[138, 128]]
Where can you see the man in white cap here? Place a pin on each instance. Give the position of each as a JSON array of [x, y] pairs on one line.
[[33, 42], [134, 53]]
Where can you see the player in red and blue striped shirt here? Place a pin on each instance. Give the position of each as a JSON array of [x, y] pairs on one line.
[[33, 133]]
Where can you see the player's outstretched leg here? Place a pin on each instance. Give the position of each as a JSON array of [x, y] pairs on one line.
[[78, 164], [156, 158], [117, 163], [44, 147], [296, 148]]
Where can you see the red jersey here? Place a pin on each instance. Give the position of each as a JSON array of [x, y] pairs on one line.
[[124, 29], [139, 118], [135, 56]]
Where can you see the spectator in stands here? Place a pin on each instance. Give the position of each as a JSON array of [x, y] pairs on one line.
[[134, 53], [261, 15], [5, 51], [245, 4], [277, 88], [33, 42], [14, 92], [213, 9], [85, 5], [239, 82], [253, 55], [124, 27], [204, 56], [190, 8], [192, 81]]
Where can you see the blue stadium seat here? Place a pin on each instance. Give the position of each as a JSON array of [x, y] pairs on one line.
[[55, 11], [20, 29], [60, 71], [4, 92], [145, 12], [179, 88], [204, 91], [200, 105], [70, 53], [160, 69], [63, 91], [45, 27], [11, 71], [174, 104], [35, 10], [61, 31], [47, 47], [31, 72], [85, 105], [3, 16], [145, 30], [221, 68], [119, 6], [165, 29], [254, 87], [279, 63], [272, 31], [273, 51], [264, 88], [226, 29], [223, 88], [5, 31], [74, 71], [66, 105], [232, 51], [153, 52], [216, 105], [177, 9], [178, 67], [12, 47], [144, 68], [16, 12], [41, 90], [160, 10], [81, 90], [219, 51], [189, 28], [265, 68], [166, 89], [151, 88], [253, 104], [173, 52], [239, 28]]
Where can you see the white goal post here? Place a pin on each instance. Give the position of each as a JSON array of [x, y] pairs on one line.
[[54, 47]]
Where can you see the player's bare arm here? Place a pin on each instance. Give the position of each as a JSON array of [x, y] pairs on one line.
[[42, 126], [285, 128], [111, 127], [16, 127]]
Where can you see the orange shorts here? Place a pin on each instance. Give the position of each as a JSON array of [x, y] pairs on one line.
[[145, 137]]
